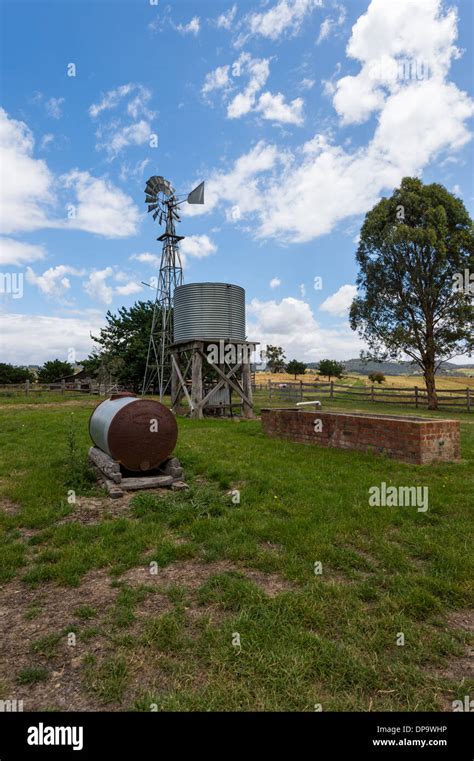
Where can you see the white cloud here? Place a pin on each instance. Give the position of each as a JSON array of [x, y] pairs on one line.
[[34, 339], [100, 206], [112, 98], [258, 71], [17, 253], [290, 323], [133, 171], [217, 80], [387, 40], [197, 246], [129, 288], [115, 135], [226, 20], [29, 192], [53, 282], [307, 84], [287, 16], [331, 23], [324, 30], [302, 290], [53, 107], [241, 188], [275, 282], [26, 189], [193, 27], [339, 303], [274, 108], [98, 288], [46, 140], [324, 182], [146, 258], [114, 139]]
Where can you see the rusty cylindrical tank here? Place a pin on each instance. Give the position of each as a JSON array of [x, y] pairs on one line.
[[140, 434]]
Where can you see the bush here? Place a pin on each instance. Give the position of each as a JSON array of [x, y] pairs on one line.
[[377, 377]]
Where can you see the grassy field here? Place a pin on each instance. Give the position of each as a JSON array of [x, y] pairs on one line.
[[197, 600]]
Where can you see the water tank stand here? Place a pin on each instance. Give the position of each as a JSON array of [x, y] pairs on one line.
[[111, 474], [231, 387]]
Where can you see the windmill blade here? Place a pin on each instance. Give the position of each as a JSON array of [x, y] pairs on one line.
[[155, 215], [151, 187], [158, 184], [196, 196], [153, 207], [150, 199]]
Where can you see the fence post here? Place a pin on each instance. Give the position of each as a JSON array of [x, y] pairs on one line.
[[468, 398], [27, 387], [416, 397], [63, 386], [270, 389], [301, 390], [372, 393], [331, 392]]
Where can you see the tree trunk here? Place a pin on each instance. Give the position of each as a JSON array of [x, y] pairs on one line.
[[431, 387]]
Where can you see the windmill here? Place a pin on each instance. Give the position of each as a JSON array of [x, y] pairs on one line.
[[164, 203]]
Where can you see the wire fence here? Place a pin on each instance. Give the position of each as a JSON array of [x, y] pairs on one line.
[[298, 391], [288, 392], [14, 389]]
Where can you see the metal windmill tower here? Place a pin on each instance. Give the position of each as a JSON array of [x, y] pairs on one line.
[[164, 203]]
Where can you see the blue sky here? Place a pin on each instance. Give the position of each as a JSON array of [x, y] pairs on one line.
[[299, 114]]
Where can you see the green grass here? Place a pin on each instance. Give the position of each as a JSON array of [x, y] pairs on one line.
[[107, 681], [32, 675], [85, 612], [328, 638]]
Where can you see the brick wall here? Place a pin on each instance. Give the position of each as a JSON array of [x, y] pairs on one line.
[[414, 440]]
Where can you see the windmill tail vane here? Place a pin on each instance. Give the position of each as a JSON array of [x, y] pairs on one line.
[[163, 204]]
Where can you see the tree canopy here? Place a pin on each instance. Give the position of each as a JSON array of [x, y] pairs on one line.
[[14, 374], [296, 368], [275, 358], [53, 370], [413, 248], [331, 368], [123, 346]]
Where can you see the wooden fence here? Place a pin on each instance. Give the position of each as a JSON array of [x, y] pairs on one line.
[[59, 388], [295, 391]]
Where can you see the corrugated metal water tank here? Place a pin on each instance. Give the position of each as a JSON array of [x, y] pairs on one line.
[[209, 311]]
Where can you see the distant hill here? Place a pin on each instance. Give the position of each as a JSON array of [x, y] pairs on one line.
[[394, 368]]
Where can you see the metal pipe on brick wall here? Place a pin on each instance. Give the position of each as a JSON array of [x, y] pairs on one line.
[[140, 434]]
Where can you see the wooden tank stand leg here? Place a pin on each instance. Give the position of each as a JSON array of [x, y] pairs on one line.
[[197, 387], [247, 388], [175, 384]]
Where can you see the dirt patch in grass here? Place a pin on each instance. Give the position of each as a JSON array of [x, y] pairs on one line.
[[46, 615], [459, 668], [191, 574], [35, 624], [8, 507], [462, 619], [93, 510], [90, 510]]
